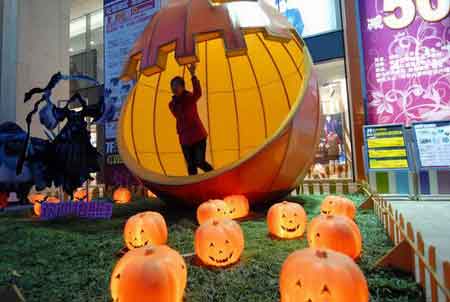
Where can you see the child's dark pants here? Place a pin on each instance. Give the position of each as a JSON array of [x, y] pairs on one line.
[[195, 157]]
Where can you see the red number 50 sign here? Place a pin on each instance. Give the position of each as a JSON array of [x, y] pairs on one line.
[[407, 14]]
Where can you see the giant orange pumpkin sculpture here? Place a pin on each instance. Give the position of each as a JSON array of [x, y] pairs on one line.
[[219, 242], [259, 103], [238, 206], [122, 195], [338, 233], [144, 229], [286, 220], [337, 205], [152, 273], [312, 275], [215, 208]]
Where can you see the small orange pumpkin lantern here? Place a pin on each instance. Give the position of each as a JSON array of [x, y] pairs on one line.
[[81, 195], [151, 273], [219, 242], [122, 195], [286, 220], [214, 208], [150, 194], [322, 275], [238, 206], [37, 204], [38, 197], [3, 199], [337, 205], [338, 233], [145, 228]]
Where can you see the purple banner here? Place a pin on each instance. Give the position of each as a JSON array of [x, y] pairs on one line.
[[406, 48], [89, 210]]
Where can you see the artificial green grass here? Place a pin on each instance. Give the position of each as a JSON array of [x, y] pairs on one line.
[[71, 259]]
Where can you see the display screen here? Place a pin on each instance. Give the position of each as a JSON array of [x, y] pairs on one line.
[[433, 144], [386, 148]]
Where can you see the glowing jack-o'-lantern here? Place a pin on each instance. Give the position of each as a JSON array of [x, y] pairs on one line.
[[337, 205], [122, 195], [151, 273], [48, 199], [81, 195], [214, 208], [144, 229], [150, 194], [219, 242], [238, 206], [3, 199], [38, 197], [259, 104], [286, 220], [338, 233], [313, 275]]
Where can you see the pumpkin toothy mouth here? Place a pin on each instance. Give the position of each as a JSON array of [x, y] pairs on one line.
[[221, 261], [326, 212], [290, 230], [138, 245]]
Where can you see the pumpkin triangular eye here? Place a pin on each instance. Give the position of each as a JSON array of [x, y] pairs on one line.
[[325, 289], [318, 235], [211, 244], [142, 231], [118, 276], [299, 283]]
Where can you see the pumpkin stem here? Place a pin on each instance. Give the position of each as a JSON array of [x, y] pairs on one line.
[[321, 254]]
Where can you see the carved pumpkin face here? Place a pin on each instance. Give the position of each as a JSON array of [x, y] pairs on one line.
[[38, 197], [122, 195], [152, 273], [238, 206], [214, 208], [336, 205], [312, 275], [286, 220], [337, 233], [219, 242], [145, 228], [81, 195]]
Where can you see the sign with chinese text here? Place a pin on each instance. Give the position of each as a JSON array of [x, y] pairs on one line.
[[124, 22], [433, 144], [406, 49], [386, 148]]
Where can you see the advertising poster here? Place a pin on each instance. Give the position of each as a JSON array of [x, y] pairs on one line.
[[433, 144], [406, 49], [386, 147], [124, 22]]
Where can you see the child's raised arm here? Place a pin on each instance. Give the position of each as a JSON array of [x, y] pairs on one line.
[[197, 88]]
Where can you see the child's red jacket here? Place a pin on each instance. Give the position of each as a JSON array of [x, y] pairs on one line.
[[184, 108]]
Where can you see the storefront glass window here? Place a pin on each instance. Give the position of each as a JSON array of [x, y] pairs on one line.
[[311, 18], [334, 155], [77, 31]]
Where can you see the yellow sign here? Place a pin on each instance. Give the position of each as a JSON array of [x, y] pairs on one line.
[[388, 164], [387, 153], [396, 141]]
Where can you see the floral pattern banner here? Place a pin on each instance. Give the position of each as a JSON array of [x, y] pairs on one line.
[[406, 48]]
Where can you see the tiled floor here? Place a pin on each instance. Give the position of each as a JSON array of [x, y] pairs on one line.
[[432, 219]]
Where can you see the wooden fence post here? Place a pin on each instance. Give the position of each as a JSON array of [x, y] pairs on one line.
[[433, 281], [421, 248]]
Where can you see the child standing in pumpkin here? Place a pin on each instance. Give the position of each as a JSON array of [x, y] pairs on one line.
[[190, 129]]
